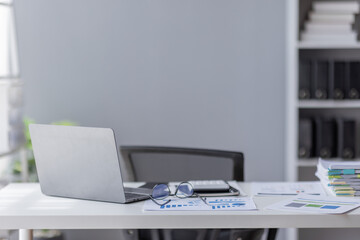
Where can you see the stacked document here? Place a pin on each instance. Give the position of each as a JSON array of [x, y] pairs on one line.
[[331, 22], [341, 178]]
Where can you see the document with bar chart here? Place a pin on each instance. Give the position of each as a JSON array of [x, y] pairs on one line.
[[316, 204], [196, 204]]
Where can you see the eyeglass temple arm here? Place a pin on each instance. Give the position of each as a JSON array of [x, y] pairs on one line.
[[202, 198], [160, 204]]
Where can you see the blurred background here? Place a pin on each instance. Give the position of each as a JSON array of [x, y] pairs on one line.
[[190, 73], [201, 74]]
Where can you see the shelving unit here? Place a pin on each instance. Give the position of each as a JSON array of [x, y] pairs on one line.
[[298, 108], [297, 168]]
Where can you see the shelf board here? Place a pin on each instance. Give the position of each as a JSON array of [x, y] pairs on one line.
[[312, 162], [332, 104], [328, 45]]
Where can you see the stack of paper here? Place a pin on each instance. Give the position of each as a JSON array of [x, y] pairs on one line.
[[341, 178], [331, 22]]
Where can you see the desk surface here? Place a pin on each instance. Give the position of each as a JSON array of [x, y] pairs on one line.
[[24, 206]]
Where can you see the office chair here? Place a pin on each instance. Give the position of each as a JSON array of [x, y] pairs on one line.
[[169, 164]]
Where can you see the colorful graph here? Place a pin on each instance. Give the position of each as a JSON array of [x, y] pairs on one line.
[[226, 203], [214, 204]]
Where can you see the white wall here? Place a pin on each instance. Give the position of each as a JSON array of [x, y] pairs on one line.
[[197, 73]]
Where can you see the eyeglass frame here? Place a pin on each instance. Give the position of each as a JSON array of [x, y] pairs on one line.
[[174, 194]]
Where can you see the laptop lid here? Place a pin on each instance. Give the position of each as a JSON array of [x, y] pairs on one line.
[[77, 162]]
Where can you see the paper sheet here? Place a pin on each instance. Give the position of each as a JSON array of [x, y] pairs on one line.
[[316, 204], [196, 204], [287, 188], [329, 164]]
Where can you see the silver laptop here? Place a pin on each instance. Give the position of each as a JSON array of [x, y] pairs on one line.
[[80, 162]]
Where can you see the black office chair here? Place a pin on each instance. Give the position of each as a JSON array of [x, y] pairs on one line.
[[166, 164]]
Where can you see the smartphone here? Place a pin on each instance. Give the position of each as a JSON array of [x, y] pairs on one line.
[[201, 186]]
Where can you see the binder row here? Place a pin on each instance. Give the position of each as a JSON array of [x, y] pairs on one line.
[[327, 138], [329, 79]]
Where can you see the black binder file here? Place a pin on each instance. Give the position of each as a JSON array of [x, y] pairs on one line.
[[305, 79], [339, 79], [306, 136], [321, 81], [353, 88], [326, 138], [346, 138]]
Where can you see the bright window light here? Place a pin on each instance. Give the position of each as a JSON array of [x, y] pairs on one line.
[[4, 39]]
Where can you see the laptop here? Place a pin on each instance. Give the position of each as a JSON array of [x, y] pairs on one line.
[[82, 163]]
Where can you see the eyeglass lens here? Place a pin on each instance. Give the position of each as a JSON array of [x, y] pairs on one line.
[[184, 190], [160, 191]]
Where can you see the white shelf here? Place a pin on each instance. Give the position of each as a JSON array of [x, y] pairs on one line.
[[301, 168], [327, 45], [331, 104]]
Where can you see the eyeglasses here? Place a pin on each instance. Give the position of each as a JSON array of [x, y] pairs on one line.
[[183, 190]]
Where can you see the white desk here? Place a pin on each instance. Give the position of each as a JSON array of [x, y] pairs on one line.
[[23, 206]]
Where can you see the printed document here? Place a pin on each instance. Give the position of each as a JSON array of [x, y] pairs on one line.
[[287, 188], [316, 204], [196, 204]]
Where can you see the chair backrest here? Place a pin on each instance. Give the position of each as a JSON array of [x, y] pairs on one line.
[[163, 164]]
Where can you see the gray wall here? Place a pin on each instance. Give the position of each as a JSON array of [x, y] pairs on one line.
[[192, 73]]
